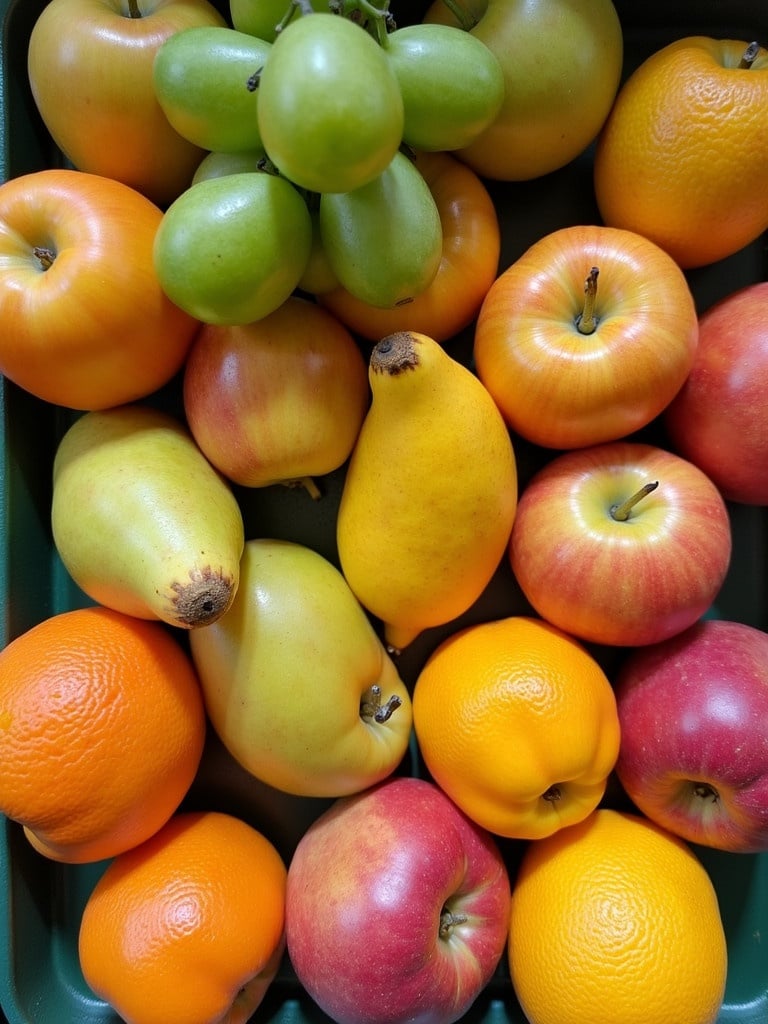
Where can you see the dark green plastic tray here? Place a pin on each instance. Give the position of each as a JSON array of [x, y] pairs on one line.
[[41, 902]]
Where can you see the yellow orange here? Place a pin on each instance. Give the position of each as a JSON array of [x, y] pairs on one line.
[[683, 155], [187, 928], [616, 917], [517, 723], [102, 726]]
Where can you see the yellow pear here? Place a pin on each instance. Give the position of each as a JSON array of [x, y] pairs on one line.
[[141, 520], [297, 684], [430, 495]]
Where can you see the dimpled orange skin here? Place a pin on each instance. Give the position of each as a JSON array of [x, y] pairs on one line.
[[188, 927], [102, 728], [517, 723], [683, 155], [616, 913]]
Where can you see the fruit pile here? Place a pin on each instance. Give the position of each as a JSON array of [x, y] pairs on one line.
[[394, 674]]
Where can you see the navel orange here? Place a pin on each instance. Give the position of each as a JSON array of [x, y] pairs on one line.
[[683, 155], [517, 723], [102, 727], [187, 928], [614, 918]]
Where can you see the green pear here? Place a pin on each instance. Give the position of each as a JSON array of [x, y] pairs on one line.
[[297, 683], [141, 520]]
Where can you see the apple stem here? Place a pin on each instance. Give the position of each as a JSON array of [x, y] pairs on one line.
[[371, 706], [133, 9], [621, 512], [45, 255], [749, 55], [586, 321], [465, 18], [448, 921]]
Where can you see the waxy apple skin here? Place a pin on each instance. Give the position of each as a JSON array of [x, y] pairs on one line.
[[719, 418], [694, 734], [367, 886], [90, 70], [620, 583], [277, 400]]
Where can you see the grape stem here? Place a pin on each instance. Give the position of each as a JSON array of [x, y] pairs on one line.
[[465, 18], [302, 6]]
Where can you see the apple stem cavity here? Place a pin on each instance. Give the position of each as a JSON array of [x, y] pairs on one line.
[[371, 707], [621, 512], [586, 322], [749, 55], [45, 256], [706, 791], [448, 921]]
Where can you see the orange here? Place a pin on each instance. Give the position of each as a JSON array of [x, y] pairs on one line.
[[683, 155], [187, 928], [517, 723], [102, 725], [616, 919]]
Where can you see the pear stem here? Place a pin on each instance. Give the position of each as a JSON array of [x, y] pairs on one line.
[[371, 706], [749, 55], [621, 512]]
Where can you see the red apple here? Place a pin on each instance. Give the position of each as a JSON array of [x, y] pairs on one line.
[[397, 907], [279, 400], [694, 734], [622, 544], [719, 420], [586, 337]]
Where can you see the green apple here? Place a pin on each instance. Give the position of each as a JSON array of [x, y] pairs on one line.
[[231, 249]]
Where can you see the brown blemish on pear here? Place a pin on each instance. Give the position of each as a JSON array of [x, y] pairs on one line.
[[202, 600], [395, 354]]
